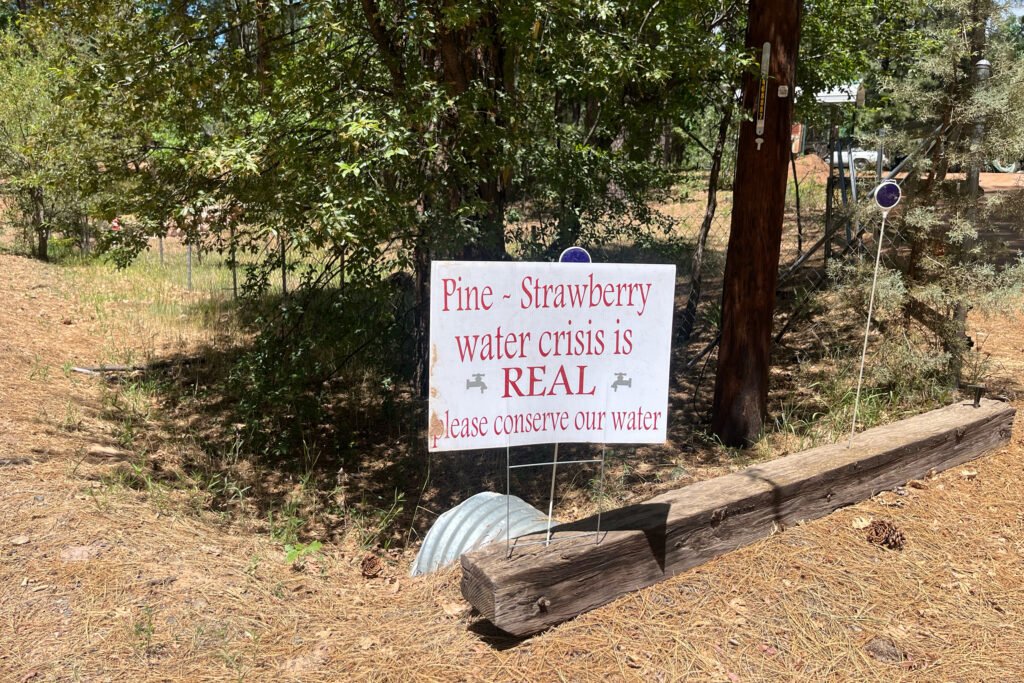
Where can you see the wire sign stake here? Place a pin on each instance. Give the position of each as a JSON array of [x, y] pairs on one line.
[[887, 196]]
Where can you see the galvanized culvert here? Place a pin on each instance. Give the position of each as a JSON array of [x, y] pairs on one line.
[[476, 521]]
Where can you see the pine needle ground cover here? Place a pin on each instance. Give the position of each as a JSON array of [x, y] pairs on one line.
[[107, 575]]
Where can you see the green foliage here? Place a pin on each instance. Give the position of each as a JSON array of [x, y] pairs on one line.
[[143, 629], [297, 552], [1013, 28], [941, 258], [343, 146], [52, 149], [369, 140], [844, 42], [286, 523], [374, 525]]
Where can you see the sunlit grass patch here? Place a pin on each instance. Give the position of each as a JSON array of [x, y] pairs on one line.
[[148, 308]]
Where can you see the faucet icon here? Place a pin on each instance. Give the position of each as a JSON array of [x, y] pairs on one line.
[[477, 381], [621, 381]]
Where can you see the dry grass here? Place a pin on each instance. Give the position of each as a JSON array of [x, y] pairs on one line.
[[147, 310], [100, 581]]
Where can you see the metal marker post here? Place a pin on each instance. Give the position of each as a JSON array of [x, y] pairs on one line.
[[887, 195], [982, 72], [570, 255], [551, 499], [600, 499], [188, 266], [881, 154], [508, 504], [853, 178]]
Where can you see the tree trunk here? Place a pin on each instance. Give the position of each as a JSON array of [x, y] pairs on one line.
[[697, 265], [263, 50], [421, 319], [490, 243], [980, 13], [39, 226], [752, 261]]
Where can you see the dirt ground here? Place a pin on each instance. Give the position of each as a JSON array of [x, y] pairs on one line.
[[100, 582], [813, 167]]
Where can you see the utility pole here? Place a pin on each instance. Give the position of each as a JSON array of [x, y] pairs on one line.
[[755, 237], [982, 72]]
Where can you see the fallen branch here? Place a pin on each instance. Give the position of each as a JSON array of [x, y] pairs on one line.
[[155, 365]]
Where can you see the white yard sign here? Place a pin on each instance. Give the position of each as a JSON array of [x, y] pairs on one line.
[[527, 353]]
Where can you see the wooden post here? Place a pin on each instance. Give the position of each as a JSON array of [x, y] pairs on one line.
[[830, 184], [188, 265], [842, 191], [284, 263], [234, 265], [755, 238], [536, 586]]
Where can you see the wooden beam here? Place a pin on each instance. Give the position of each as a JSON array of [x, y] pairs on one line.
[[540, 586]]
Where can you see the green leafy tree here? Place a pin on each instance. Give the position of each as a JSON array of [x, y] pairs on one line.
[[349, 144], [31, 122], [53, 151]]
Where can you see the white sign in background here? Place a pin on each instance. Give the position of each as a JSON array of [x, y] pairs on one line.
[[529, 353]]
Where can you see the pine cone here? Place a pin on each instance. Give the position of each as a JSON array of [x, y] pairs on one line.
[[371, 566], [886, 534]]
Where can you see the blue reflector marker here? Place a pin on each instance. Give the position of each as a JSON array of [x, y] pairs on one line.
[[575, 255], [888, 195]]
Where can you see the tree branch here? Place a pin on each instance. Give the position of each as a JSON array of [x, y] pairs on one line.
[[386, 43]]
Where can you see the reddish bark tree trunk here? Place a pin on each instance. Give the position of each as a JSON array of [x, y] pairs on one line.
[[759, 194]]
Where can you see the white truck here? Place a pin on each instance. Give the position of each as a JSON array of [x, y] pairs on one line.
[[862, 159]]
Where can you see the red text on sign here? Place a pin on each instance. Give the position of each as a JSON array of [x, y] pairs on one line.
[[465, 297], [500, 345], [537, 384], [635, 420]]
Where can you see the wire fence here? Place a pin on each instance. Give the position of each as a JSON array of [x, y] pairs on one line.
[[806, 248], [821, 223]]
